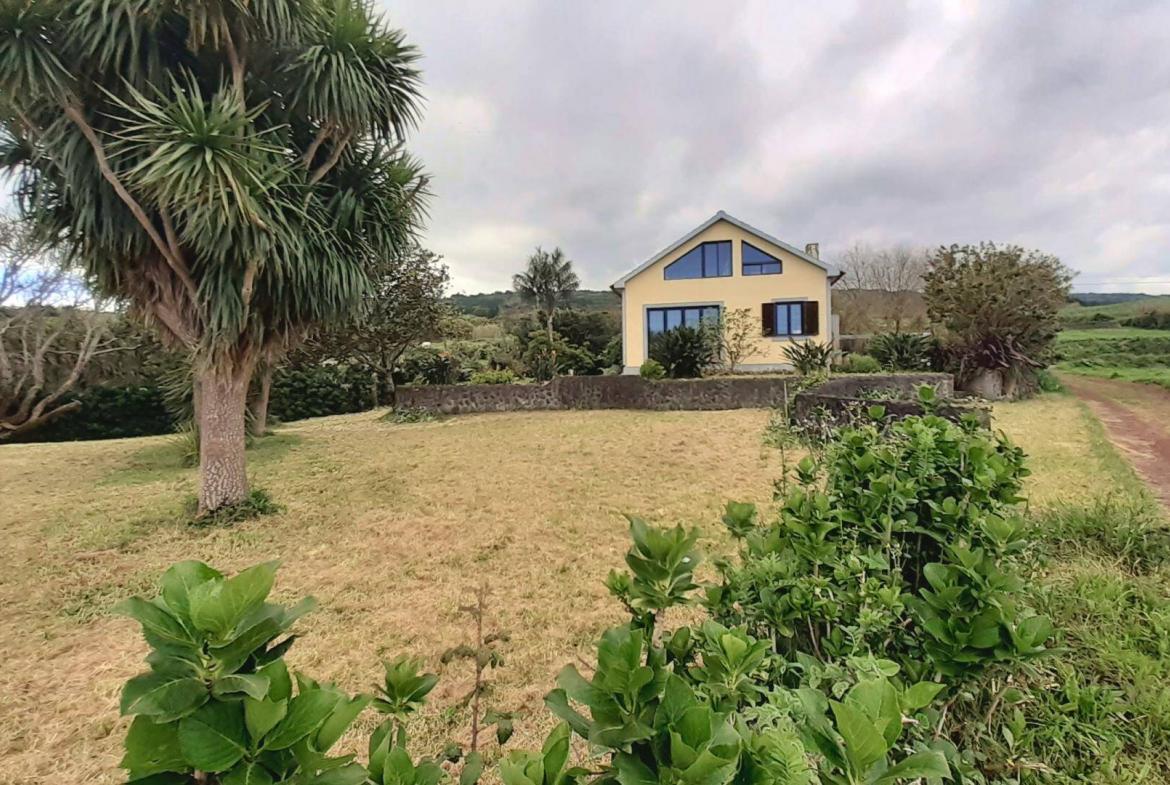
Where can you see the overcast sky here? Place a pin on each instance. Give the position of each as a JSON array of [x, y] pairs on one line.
[[613, 128]]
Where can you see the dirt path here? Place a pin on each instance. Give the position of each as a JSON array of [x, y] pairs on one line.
[[1137, 419]]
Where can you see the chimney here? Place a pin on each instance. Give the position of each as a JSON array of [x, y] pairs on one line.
[[813, 250]]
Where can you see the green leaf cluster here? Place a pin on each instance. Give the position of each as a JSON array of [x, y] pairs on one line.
[[662, 565], [901, 538], [219, 705]]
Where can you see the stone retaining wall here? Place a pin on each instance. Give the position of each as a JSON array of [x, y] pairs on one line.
[[634, 392], [813, 405]]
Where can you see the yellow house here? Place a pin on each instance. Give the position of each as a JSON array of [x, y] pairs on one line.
[[721, 266]]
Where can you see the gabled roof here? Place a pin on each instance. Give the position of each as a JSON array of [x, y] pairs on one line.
[[722, 216]]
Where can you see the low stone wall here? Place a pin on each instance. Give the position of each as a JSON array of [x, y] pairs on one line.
[[904, 384], [815, 405], [634, 392]]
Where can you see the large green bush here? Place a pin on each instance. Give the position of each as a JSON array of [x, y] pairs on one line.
[[317, 391], [810, 357], [652, 369], [685, 352], [859, 363], [902, 351], [900, 539]]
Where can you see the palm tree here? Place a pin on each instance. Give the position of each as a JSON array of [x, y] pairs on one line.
[[548, 282], [229, 169]]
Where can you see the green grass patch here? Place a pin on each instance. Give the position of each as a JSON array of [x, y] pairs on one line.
[[1108, 334], [1125, 353], [1158, 376], [164, 461], [1100, 711]]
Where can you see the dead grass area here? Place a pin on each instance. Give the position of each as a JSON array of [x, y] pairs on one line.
[[391, 527], [1055, 431]]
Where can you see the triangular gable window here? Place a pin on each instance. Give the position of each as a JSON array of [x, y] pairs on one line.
[[757, 262], [708, 260]]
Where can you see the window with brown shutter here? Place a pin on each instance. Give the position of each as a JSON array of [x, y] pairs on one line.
[[812, 318], [794, 319]]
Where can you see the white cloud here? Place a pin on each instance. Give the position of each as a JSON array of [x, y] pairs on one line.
[[611, 128]]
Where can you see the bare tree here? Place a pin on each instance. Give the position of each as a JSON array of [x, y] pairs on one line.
[[49, 331], [883, 286], [739, 333]]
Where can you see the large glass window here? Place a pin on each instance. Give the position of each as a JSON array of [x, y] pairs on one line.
[[756, 262], [789, 318], [659, 320], [708, 260]]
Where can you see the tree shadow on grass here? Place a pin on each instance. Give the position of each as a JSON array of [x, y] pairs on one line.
[[165, 462]]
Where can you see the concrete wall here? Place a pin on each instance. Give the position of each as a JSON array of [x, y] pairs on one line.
[[634, 392], [905, 384]]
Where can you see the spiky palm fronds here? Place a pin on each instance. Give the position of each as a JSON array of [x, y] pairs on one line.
[[547, 281], [230, 167]]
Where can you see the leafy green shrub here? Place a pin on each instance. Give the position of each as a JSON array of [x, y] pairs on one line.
[[809, 357], [708, 703], [109, 413], [902, 351], [915, 522], [860, 363], [219, 703], [186, 441], [541, 355], [652, 369], [685, 352], [611, 355], [504, 376], [1149, 320], [428, 365], [1046, 380]]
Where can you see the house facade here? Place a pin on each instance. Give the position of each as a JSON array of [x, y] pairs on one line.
[[725, 265]]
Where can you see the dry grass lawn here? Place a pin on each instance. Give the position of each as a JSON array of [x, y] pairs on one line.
[[391, 527]]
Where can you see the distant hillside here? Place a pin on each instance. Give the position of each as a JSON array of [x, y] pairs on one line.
[[1113, 314], [493, 304]]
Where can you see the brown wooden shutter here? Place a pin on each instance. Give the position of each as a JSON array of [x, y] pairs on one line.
[[812, 317], [768, 318]]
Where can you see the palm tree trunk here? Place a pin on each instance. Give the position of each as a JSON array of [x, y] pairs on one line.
[[260, 402], [223, 393]]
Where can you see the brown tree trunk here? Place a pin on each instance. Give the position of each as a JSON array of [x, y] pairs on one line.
[[260, 403], [223, 394]]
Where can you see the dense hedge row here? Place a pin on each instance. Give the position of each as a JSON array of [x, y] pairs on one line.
[[116, 412], [298, 393], [109, 413]]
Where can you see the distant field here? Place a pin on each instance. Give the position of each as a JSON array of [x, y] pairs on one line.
[[1125, 353], [1077, 315], [1109, 333]]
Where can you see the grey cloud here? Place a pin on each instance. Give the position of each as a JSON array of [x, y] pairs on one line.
[[611, 128]]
